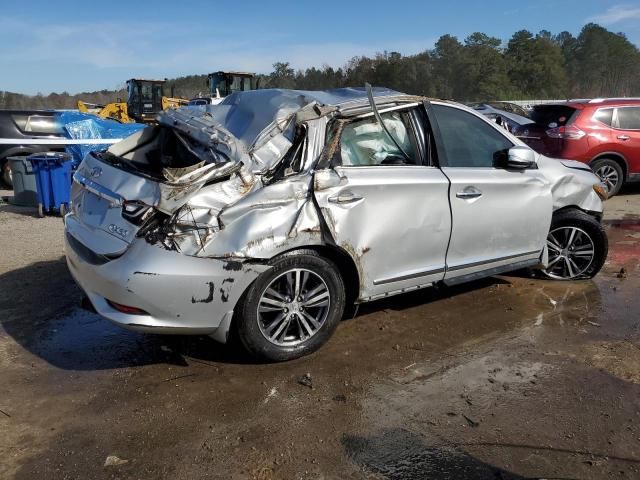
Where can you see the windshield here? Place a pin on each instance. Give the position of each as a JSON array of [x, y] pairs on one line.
[[226, 83], [147, 92]]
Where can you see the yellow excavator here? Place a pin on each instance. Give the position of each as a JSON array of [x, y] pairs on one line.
[[145, 99]]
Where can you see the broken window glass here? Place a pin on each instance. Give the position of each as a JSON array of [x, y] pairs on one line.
[[365, 143]]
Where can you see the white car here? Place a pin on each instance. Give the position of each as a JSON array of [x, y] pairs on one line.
[[270, 212]]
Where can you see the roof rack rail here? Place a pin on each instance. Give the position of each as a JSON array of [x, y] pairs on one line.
[[600, 100]]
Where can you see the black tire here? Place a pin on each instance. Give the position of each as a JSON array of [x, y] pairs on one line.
[[604, 168], [586, 224], [247, 321]]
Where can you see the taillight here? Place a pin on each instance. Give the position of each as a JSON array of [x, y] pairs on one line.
[[127, 309], [569, 132]]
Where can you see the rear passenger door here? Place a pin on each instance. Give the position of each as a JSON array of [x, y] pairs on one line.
[[500, 217], [627, 135], [389, 212]]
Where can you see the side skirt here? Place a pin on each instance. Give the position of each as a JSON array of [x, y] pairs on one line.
[[492, 271]]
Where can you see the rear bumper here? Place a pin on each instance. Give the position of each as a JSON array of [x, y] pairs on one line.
[[181, 294]]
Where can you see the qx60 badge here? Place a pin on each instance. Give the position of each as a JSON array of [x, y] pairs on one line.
[[95, 172], [121, 232]]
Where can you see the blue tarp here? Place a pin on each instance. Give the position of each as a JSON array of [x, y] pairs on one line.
[[78, 126]]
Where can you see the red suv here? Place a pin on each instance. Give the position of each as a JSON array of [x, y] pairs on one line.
[[603, 133]]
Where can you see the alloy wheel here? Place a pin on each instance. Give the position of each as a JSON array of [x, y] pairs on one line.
[[293, 307], [571, 252], [609, 176]]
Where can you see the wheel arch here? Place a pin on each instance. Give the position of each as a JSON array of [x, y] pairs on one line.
[[616, 157], [568, 208], [343, 262]]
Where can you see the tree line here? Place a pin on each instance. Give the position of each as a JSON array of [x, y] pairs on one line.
[[596, 63]]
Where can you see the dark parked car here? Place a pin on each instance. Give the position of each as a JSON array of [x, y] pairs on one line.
[[603, 133], [504, 106], [27, 125], [507, 119]]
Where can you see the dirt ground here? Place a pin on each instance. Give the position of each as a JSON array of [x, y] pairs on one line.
[[505, 378]]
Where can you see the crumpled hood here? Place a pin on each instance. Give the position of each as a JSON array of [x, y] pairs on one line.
[[571, 183]]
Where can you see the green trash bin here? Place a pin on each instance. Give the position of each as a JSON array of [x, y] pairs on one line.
[[25, 191]]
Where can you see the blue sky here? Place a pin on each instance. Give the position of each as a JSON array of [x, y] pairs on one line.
[[84, 45]]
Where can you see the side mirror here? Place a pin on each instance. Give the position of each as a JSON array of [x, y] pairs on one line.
[[521, 158]]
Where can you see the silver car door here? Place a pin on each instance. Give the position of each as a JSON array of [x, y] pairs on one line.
[[390, 213], [500, 217]]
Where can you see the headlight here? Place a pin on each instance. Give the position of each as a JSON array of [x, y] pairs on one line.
[[601, 191]]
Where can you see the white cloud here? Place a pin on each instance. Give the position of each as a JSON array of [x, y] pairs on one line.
[[617, 14]]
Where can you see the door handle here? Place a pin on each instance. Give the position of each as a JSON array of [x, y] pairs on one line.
[[346, 197], [624, 138], [469, 192]]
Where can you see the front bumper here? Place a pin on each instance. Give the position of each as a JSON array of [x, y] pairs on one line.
[[180, 293]]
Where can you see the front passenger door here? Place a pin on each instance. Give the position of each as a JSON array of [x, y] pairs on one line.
[[500, 217]]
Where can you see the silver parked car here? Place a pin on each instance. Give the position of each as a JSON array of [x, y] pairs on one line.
[[270, 212]]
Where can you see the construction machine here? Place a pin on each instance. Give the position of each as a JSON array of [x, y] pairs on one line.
[[222, 84], [145, 99]]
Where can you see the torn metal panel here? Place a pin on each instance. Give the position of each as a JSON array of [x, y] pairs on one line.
[[571, 184], [314, 144], [388, 236], [269, 153], [218, 142], [273, 219], [193, 226], [174, 194]]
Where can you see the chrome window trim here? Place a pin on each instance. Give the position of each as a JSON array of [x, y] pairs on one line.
[[455, 268]]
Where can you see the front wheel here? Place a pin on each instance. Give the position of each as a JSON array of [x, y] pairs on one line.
[[577, 246], [292, 309]]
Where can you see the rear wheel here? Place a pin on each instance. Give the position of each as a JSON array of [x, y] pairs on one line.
[[292, 309], [610, 173], [577, 246]]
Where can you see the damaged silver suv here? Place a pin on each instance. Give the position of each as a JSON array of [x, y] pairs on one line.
[[270, 212]]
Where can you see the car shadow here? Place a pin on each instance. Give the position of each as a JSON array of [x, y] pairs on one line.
[[424, 296], [631, 188], [40, 310]]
